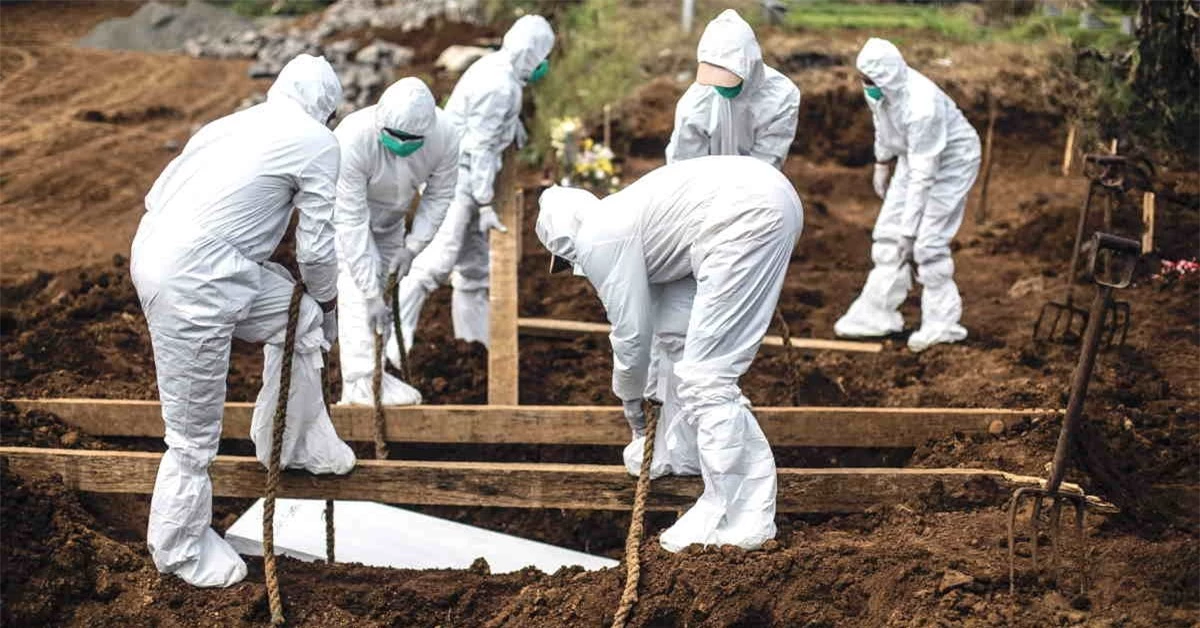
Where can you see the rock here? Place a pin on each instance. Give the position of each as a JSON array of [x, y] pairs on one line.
[[262, 71], [340, 51], [171, 145], [952, 579], [996, 428], [70, 439], [165, 27], [1028, 285], [480, 566], [456, 59], [385, 54]]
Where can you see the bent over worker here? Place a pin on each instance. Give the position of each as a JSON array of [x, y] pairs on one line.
[[485, 107], [199, 265], [738, 104], [391, 152], [729, 224], [937, 158]]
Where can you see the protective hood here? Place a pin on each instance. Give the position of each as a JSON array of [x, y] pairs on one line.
[[881, 61], [407, 106], [527, 43], [311, 83], [728, 41], [560, 213]]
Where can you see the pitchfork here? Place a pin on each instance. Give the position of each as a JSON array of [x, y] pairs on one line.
[[1113, 175], [1112, 263]]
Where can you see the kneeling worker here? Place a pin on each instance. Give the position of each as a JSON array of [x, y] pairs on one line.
[[199, 264], [731, 224]]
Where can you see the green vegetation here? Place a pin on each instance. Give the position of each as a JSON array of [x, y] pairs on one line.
[[597, 59], [997, 20], [824, 14], [260, 8]]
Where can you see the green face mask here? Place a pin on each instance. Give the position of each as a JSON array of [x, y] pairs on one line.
[[400, 147], [873, 92], [729, 92], [540, 71]]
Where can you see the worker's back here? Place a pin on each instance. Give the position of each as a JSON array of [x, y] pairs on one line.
[[688, 203], [236, 178]]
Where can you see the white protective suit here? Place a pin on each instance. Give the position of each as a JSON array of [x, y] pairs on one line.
[[730, 224], [937, 158], [759, 122], [199, 265], [375, 190], [485, 107]]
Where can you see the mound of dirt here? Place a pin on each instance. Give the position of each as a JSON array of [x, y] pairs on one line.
[[164, 27], [52, 555], [897, 569]]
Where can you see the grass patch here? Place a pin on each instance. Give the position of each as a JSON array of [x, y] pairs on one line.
[[598, 59], [961, 23]]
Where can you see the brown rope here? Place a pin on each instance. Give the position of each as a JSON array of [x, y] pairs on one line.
[[280, 422], [381, 452], [789, 352], [633, 542], [328, 393], [393, 288]]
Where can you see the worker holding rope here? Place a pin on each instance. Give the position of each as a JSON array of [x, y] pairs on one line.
[[393, 151], [738, 105], [730, 223], [199, 265]]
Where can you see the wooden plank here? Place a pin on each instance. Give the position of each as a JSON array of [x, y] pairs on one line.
[[811, 426], [1148, 211], [570, 329], [523, 485], [982, 211], [1068, 151], [503, 362]]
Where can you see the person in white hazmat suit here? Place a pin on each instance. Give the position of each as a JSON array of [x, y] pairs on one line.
[[485, 107], [937, 158], [730, 223], [198, 262], [738, 105], [391, 152]]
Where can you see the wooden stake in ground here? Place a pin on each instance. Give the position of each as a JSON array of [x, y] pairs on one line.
[[1148, 210], [279, 424], [982, 211], [608, 126], [637, 522], [502, 325], [1068, 152]]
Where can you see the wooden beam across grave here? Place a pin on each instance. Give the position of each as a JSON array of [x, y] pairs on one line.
[[524, 485], [562, 425], [554, 328]]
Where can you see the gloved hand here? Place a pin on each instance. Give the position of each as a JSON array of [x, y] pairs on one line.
[[488, 220], [402, 263], [880, 180], [329, 325], [636, 416], [378, 314]]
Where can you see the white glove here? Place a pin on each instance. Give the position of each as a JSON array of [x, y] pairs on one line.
[[402, 263], [488, 220], [880, 180], [329, 326], [378, 314], [636, 416]]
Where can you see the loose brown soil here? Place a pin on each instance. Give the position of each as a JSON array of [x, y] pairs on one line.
[[71, 326]]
